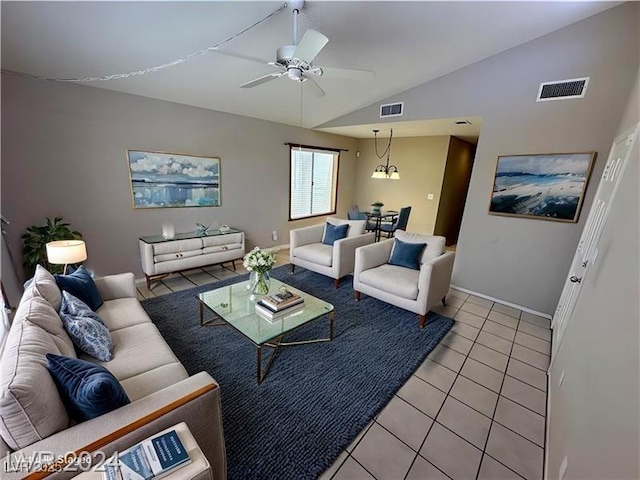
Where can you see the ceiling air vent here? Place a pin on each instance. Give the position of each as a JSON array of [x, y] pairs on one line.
[[563, 89], [391, 110]]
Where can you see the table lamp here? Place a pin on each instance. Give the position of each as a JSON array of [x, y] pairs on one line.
[[65, 252]]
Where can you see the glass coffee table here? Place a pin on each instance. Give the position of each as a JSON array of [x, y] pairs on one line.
[[235, 306]]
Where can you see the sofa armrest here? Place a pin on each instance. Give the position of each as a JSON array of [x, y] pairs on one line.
[[121, 285], [344, 252], [371, 256], [194, 400], [305, 236], [435, 278]]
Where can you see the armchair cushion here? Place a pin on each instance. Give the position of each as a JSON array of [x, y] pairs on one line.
[[399, 281], [334, 232], [317, 253], [435, 244], [405, 254]]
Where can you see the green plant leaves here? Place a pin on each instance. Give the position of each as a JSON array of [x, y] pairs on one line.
[[35, 239]]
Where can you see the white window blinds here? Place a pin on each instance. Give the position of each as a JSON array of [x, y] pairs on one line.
[[314, 175]]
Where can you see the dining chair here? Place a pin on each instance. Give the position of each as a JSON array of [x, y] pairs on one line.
[[400, 223]]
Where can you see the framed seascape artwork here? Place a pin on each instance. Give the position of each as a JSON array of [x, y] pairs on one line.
[[542, 186], [163, 180]]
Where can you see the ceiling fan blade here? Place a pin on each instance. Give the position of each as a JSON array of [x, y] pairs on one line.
[[316, 90], [261, 80], [241, 56], [349, 73], [310, 45]]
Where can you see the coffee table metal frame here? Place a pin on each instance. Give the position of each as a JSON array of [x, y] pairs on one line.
[[314, 309]]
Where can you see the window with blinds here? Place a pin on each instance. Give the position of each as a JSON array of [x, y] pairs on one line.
[[314, 181]]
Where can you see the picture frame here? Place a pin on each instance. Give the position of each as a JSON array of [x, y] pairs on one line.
[[549, 186], [173, 180]]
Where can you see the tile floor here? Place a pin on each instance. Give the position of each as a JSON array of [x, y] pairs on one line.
[[475, 409]]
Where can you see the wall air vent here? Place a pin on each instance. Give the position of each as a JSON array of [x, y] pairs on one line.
[[392, 110], [563, 89]]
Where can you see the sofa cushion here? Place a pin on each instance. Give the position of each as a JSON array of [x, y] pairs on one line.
[[406, 254], [87, 390], [333, 233], [122, 313], [43, 284], [30, 405], [81, 285], [356, 227], [315, 253], [435, 243], [154, 380], [399, 281], [86, 329]]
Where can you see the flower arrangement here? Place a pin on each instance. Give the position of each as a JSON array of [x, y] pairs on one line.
[[259, 260]]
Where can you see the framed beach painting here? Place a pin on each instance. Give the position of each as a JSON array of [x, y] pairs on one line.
[[167, 180], [542, 186]]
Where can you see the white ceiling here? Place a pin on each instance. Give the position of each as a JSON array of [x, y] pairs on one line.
[[405, 43]]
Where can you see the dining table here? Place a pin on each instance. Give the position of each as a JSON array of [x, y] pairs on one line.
[[379, 218]]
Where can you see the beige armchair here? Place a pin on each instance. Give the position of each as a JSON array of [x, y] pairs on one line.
[[335, 261], [415, 290]]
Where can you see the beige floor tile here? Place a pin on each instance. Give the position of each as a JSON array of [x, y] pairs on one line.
[[454, 301], [536, 331], [437, 375], [489, 357], [159, 288], [536, 320], [201, 278], [527, 374], [494, 342], [475, 396], [330, 472], [483, 302], [423, 470], [524, 394], [445, 311], [470, 319], [458, 293], [503, 319], [516, 452], [491, 469], [483, 375], [465, 421], [352, 470], [466, 331], [514, 312], [475, 309], [406, 422], [447, 357], [499, 330], [358, 438], [457, 343], [222, 273], [534, 343], [139, 296], [177, 284], [530, 357], [383, 455], [425, 397], [451, 454], [521, 420], [145, 292]]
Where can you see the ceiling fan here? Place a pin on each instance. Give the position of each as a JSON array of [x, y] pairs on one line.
[[295, 61]]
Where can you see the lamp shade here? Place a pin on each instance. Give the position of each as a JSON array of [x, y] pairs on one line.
[[63, 252], [395, 176]]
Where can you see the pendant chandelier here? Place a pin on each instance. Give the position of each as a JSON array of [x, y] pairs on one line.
[[384, 171]]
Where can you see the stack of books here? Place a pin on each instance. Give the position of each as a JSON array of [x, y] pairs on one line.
[[276, 306]]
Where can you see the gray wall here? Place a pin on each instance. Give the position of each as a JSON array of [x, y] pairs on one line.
[[64, 153], [594, 415], [525, 261]]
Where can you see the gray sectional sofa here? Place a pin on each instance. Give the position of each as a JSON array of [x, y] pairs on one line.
[[32, 416]]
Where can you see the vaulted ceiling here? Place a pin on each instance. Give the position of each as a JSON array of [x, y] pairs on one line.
[[404, 43]]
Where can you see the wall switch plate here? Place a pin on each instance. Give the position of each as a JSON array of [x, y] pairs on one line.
[[274, 235], [430, 196]]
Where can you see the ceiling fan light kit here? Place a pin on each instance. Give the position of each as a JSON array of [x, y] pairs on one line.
[[384, 171]]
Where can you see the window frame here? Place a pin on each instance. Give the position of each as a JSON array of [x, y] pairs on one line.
[[337, 152]]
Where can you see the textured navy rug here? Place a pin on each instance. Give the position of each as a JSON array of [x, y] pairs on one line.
[[316, 398]]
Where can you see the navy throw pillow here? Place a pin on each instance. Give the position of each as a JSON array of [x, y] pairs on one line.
[[81, 285], [406, 254], [334, 232], [87, 390]]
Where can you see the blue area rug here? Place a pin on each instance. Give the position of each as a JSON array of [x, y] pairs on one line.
[[317, 397]]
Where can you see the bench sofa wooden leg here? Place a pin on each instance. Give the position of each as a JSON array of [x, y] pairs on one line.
[[336, 282], [423, 321], [444, 301], [356, 295], [293, 268]]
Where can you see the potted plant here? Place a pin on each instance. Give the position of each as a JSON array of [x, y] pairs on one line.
[[377, 205], [35, 239]]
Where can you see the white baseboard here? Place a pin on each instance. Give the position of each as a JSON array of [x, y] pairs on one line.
[[502, 302]]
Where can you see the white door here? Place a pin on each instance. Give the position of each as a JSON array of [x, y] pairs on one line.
[[587, 252]]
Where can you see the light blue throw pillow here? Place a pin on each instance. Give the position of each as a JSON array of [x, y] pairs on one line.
[[86, 329], [407, 254], [87, 390]]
